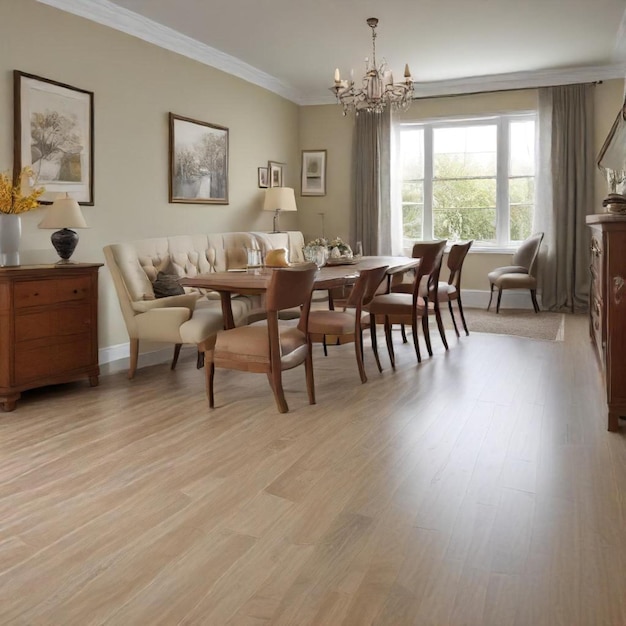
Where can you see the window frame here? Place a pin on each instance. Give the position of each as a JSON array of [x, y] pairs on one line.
[[502, 121]]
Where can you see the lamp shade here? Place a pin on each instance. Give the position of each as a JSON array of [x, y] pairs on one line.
[[64, 213], [280, 198]]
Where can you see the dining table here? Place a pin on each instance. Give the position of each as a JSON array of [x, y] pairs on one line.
[[255, 281]]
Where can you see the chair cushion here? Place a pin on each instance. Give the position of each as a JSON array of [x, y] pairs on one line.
[[515, 281], [446, 292], [251, 343], [508, 269], [333, 322], [394, 304]]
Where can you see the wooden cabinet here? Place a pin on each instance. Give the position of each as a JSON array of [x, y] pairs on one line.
[[607, 307], [48, 327]]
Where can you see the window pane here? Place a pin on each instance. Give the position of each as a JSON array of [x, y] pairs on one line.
[[412, 221], [459, 224], [522, 148], [465, 151], [412, 154], [521, 222], [464, 193], [521, 190]]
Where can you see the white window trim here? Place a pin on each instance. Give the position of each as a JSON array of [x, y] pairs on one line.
[[502, 245]]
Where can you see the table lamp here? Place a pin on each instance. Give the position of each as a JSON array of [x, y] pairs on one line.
[[279, 199], [64, 214]]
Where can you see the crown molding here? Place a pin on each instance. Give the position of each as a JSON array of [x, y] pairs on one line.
[[504, 82], [109, 14]]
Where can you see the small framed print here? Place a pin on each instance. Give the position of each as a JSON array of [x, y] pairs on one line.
[[53, 134], [313, 173], [275, 173], [263, 177], [198, 154]]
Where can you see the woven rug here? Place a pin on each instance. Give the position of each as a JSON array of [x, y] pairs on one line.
[[519, 322]]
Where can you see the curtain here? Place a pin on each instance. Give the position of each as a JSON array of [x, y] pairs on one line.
[[564, 195], [371, 210]]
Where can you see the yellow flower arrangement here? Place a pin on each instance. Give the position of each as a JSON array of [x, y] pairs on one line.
[[12, 199]]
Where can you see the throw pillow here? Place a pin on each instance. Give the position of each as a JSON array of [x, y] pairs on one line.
[[167, 285]]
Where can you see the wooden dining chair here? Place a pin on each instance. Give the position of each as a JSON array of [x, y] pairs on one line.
[[268, 347], [399, 307], [347, 325], [429, 286], [451, 290]]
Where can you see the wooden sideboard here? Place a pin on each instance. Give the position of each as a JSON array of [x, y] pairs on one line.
[[607, 307], [48, 327]]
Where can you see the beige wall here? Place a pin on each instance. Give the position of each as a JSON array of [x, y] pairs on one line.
[[325, 127], [136, 84]]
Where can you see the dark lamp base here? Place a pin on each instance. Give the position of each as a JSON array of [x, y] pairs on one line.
[[64, 242]]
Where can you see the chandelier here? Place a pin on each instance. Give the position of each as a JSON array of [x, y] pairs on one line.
[[378, 89]]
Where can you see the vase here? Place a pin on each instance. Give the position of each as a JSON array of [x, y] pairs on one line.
[[10, 233]]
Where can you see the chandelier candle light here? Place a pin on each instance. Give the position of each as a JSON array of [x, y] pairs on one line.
[[378, 89]]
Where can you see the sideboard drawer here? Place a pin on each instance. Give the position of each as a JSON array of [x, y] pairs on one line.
[[53, 322], [43, 292]]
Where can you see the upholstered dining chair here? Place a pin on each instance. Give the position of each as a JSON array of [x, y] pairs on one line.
[[268, 347], [521, 274], [347, 325], [407, 308], [428, 286], [451, 290]]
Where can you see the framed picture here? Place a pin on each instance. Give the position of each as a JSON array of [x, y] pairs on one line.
[[313, 173], [53, 134], [263, 177], [275, 173], [198, 162]]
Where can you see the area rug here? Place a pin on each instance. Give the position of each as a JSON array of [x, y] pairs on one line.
[[519, 322]]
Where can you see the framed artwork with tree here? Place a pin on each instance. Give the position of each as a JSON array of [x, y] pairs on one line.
[[198, 154], [53, 134]]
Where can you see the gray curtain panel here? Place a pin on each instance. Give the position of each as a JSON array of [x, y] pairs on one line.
[[371, 210], [564, 195]]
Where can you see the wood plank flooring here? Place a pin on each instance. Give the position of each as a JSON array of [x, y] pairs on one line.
[[479, 488]]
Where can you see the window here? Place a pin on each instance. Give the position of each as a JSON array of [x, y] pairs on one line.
[[468, 179]]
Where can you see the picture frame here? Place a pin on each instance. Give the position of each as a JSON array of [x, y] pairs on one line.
[[275, 171], [313, 179], [198, 161], [263, 177], [53, 133]]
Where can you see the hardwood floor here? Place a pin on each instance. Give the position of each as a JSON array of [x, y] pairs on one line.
[[478, 488]]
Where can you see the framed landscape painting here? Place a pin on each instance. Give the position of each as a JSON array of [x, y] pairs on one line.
[[313, 173], [198, 155], [53, 134]]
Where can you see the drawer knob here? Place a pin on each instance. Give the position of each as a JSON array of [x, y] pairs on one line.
[[75, 290]]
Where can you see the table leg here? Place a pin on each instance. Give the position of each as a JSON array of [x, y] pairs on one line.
[[227, 310]]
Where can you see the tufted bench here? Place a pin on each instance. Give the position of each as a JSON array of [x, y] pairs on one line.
[[191, 317]]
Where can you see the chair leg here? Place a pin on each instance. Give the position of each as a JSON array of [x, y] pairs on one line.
[[533, 295], [209, 372], [134, 357], [456, 329], [403, 331], [358, 348], [374, 342], [177, 348], [442, 332], [310, 380], [490, 296], [392, 356], [324, 345], [427, 332], [416, 341], [276, 383], [499, 298], [462, 314], [200, 360]]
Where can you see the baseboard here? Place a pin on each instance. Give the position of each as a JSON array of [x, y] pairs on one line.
[[116, 359]]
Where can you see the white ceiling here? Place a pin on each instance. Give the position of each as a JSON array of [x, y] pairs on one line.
[[293, 46]]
